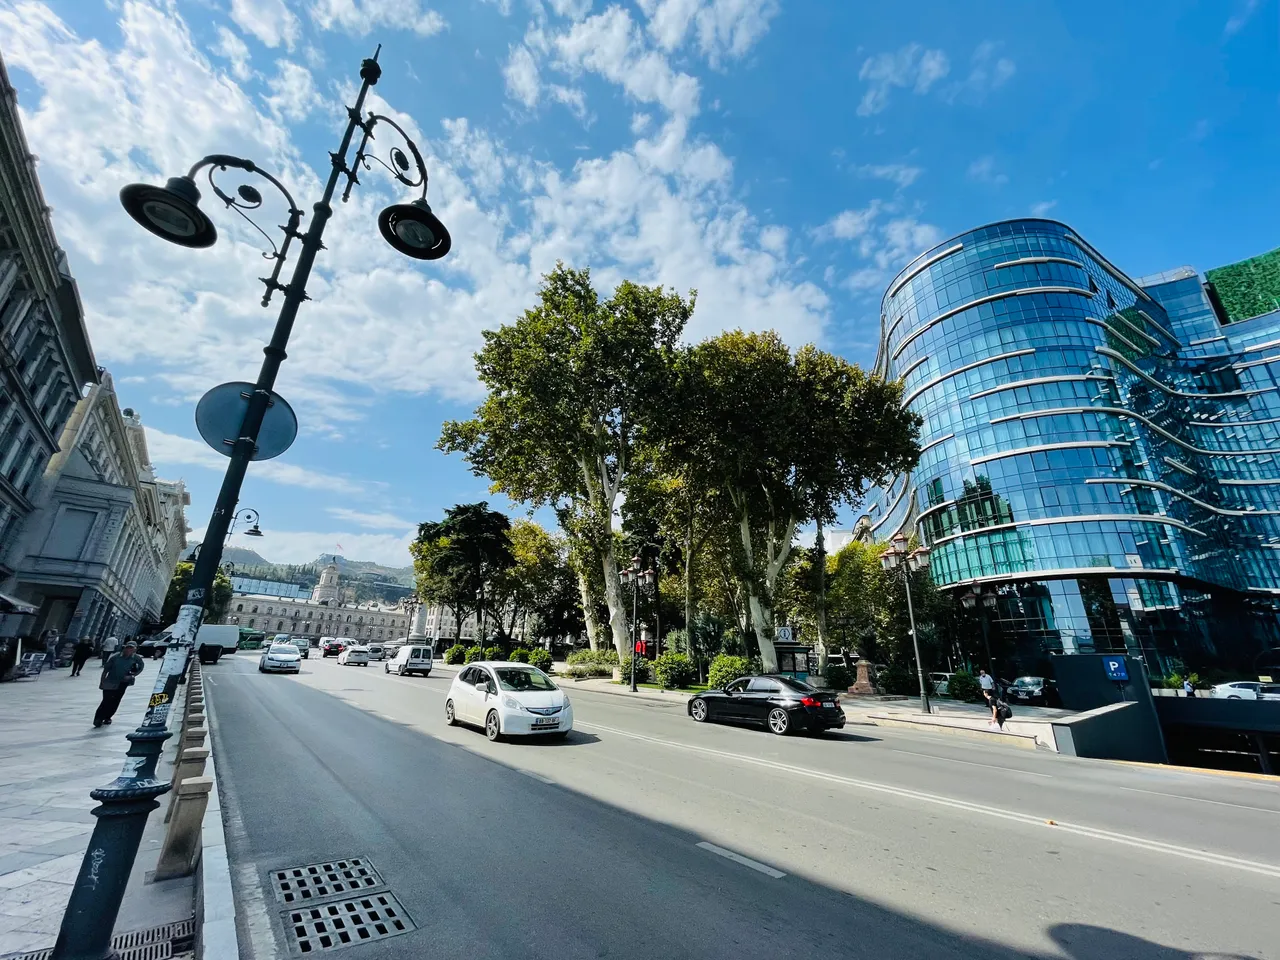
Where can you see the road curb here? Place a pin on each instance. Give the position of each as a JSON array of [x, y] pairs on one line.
[[1239, 774], [1019, 740], [215, 900]]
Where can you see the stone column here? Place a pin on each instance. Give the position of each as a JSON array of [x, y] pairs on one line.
[[182, 839]]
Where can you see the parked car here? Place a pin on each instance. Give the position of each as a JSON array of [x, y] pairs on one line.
[[1269, 691], [1236, 690], [508, 700], [376, 651], [330, 646], [409, 659], [1033, 690], [304, 647], [154, 647], [782, 704], [354, 656], [940, 682], [280, 658]]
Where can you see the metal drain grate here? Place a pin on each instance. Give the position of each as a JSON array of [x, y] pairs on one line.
[[156, 943], [332, 926], [317, 881]]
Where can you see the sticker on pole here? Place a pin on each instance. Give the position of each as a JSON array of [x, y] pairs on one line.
[[220, 415], [1116, 668]]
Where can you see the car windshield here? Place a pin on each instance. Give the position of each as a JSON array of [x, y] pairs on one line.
[[1028, 681], [798, 685], [283, 648], [513, 678]]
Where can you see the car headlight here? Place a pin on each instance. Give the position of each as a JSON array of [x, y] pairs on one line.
[[565, 705], [511, 703]]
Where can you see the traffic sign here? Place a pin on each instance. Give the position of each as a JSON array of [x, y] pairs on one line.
[[784, 634], [1116, 668], [220, 413]]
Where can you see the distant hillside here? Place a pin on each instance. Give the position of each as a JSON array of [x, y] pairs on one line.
[[366, 569], [240, 556]]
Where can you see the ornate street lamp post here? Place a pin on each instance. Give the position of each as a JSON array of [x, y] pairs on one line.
[[411, 604], [911, 562], [248, 515], [989, 601], [172, 212], [635, 575]]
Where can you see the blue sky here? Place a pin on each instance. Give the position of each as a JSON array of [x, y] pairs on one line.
[[784, 157]]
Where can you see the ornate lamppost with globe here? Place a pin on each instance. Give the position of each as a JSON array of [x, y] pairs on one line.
[[245, 422], [895, 557], [969, 600], [636, 575]]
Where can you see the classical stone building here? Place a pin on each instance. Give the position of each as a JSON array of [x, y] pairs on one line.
[[96, 554]]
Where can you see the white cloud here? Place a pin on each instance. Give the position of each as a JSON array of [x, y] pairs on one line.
[[230, 45], [571, 97], [170, 451], [271, 21], [725, 29], [573, 9], [882, 244], [372, 521], [292, 93], [361, 17], [898, 173], [912, 67], [640, 122], [1236, 22], [521, 75], [987, 72], [983, 170], [1043, 207]]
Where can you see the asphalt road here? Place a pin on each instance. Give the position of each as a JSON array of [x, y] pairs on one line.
[[621, 841]]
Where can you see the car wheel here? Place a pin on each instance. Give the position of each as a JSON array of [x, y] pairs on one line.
[[401, 671], [261, 668], [492, 728], [558, 735], [386, 668], [449, 718], [779, 722], [698, 710], [427, 674]]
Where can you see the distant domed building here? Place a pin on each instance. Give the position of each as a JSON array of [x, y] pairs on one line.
[[326, 591]]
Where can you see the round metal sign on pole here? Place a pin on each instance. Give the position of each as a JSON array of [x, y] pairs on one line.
[[220, 413]]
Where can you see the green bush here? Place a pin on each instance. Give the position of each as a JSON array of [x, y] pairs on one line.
[[838, 677], [964, 686], [519, 655], [455, 654], [580, 670], [896, 681], [539, 658], [474, 654], [1174, 681], [725, 669], [607, 657], [494, 653], [644, 670], [674, 671]]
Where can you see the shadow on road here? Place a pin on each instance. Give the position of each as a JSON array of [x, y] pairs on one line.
[[845, 737], [1083, 942]]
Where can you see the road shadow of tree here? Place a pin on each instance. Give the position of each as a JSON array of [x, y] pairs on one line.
[[1085, 942]]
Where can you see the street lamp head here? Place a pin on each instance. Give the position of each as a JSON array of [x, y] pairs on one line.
[[918, 559], [990, 600], [969, 600], [253, 531], [900, 543], [171, 212], [414, 230], [889, 559]]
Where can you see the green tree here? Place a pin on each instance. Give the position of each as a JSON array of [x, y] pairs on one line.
[[787, 440], [572, 385], [461, 557], [177, 593]]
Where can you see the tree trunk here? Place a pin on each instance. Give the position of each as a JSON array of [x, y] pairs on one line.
[[588, 611], [613, 596], [762, 617], [820, 548]]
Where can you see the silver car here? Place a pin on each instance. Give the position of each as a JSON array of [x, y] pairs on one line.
[[280, 658]]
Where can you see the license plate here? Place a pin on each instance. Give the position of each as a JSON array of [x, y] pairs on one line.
[[546, 722], [1020, 695], [828, 703]]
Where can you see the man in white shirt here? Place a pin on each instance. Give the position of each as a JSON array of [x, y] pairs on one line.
[[109, 646], [988, 684]]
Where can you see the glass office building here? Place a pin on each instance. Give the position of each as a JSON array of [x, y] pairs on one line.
[[1098, 451]]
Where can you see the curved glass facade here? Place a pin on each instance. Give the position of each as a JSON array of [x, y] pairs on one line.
[[1100, 451]]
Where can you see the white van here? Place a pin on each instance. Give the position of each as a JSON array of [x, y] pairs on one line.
[[215, 639], [411, 658]]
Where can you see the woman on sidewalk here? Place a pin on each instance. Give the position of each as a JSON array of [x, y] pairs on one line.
[[80, 656], [117, 677]]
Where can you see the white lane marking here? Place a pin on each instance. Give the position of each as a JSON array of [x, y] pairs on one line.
[[1155, 846], [537, 776], [972, 763], [1220, 803], [745, 861]]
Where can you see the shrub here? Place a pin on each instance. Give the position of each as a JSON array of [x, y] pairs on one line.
[[588, 670], [539, 658], [725, 669], [964, 686], [674, 670], [494, 653], [1174, 680], [607, 657], [518, 655], [838, 677], [455, 654], [474, 654], [895, 680], [644, 670]]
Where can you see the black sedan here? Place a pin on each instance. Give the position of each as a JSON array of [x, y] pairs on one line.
[[781, 703], [331, 649], [1034, 690]]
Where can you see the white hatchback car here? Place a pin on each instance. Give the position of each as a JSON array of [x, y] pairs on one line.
[[1237, 690], [508, 700], [280, 658], [354, 657]]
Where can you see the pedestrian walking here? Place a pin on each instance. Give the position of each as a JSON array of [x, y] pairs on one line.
[[1188, 688], [109, 646], [80, 655], [117, 677], [988, 685], [50, 641]]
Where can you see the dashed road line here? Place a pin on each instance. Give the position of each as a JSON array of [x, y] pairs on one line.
[[745, 861]]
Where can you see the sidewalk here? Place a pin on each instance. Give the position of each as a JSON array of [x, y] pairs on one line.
[[50, 758]]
